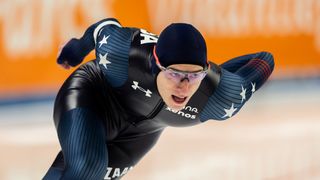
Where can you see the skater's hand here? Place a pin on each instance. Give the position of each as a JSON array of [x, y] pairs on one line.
[[69, 54]]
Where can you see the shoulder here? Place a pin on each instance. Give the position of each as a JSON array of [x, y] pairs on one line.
[[230, 95], [105, 24], [113, 26], [119, 47], [112, 46], [240, 79]]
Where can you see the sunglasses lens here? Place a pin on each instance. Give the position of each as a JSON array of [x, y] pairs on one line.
[[196, 76], [178, 76]]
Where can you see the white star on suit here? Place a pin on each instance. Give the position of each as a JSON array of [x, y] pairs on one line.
[[229, 112], [243, 94], [103, 41], [253, 87], [103, 60]]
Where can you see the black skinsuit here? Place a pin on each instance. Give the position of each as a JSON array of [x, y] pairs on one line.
[[109, 114]]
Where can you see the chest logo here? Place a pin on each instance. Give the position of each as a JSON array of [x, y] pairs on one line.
[[136, 86], [186, 114]]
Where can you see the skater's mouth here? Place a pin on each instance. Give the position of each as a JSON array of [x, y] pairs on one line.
[[178, 100]]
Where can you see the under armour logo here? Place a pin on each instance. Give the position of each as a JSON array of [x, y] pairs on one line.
[[136, 86]]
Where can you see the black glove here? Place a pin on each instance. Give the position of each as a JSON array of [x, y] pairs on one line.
[[72, 53]]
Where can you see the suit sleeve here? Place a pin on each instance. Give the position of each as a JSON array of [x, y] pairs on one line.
[[77, 49], [252, 68], [240, 78]]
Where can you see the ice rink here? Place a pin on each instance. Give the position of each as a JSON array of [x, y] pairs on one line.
[[276, 136]]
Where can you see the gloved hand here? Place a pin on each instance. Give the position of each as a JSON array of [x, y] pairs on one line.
[[71, 54]]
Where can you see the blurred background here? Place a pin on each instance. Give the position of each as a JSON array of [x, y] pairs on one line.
[[275, 136]]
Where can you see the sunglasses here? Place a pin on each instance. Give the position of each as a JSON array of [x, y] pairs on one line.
[[178, 76]]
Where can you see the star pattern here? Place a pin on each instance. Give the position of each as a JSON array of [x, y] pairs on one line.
[[229, 112], [243, 93], [103, 60], [253, 87], [104, 40]]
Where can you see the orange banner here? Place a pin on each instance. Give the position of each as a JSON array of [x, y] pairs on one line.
[[31, 32]]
